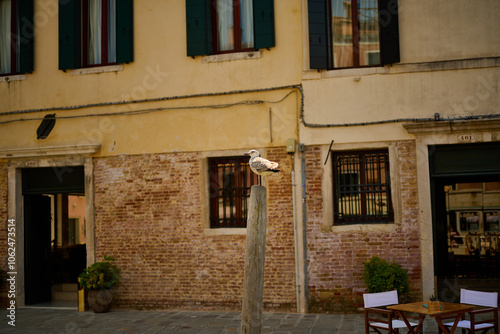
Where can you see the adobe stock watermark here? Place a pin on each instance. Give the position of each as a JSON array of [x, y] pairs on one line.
[[153, 78], [12, 271], [47, 9], [486, 87], [280, 119]]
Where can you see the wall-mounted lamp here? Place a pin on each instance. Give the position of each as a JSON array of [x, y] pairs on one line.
[[46, 126]]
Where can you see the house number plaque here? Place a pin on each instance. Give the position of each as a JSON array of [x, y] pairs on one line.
[[467, 137], [31, 163]]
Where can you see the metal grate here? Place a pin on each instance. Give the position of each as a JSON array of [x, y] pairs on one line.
[[362, 187], [230, 183]]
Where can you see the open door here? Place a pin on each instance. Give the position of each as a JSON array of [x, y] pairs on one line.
[[37, 220], [465, 193]]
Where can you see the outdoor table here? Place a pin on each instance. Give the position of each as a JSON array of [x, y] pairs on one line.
[[436, 310]]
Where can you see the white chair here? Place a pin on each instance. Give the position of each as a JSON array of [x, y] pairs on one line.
[[373, 302], [489, 300]]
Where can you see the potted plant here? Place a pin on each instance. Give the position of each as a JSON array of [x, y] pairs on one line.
[[98, 280], [381, 276]]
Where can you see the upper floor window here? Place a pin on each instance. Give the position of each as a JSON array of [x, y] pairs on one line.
[[16, 36], [99, 32], [233, 25], [353, 33], [95, 33], [230, 182], [223, 26], [362, 187]]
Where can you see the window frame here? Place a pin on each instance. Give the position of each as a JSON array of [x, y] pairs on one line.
[[364, 217], [320, 39], [238, 220], [236, 29], [104, 34], [22, 37], [355, 43], [72, 54], [199, 31]]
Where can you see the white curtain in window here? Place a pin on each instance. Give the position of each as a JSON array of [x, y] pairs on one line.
[[111, 31], [5, 36], [95, 26], [225, 31], [246, 14]]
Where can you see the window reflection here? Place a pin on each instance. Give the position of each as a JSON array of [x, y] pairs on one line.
[[473, 211]]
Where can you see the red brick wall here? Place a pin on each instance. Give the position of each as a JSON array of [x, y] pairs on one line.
[[148, 216], [335, 260]]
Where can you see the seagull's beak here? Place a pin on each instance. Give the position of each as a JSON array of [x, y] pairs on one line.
[[248, 153]]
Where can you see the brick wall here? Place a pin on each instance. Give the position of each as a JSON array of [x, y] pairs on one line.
[[335, 260], [148, 216]]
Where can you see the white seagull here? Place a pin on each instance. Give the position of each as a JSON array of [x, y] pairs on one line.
[[261, 166]]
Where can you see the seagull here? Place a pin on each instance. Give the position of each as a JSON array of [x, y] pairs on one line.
[[261, 166]]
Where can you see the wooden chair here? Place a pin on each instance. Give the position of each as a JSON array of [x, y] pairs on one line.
[[385, 319], [489, 301]]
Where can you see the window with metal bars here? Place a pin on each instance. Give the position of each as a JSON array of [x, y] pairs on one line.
[[362, 187], [230, 183]]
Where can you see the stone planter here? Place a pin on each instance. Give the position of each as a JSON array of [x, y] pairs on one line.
[[100, 301]]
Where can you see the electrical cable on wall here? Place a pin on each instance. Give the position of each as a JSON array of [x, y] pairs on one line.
[[293, 88]]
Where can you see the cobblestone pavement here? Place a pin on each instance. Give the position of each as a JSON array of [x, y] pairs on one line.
[[59, 321]]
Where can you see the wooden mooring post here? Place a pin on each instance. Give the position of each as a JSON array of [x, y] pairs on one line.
[[253, 286]]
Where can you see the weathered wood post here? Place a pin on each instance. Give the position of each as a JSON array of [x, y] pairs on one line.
[[253, 286]]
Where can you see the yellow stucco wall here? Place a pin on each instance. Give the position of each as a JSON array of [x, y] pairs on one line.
[[160, 69]]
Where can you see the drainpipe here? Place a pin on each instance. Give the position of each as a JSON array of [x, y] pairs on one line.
[[304, 226], [297, 283]]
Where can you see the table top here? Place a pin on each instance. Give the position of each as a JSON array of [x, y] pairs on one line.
[[432, 308]]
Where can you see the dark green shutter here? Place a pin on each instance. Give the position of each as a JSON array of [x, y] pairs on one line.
[[70, 44], [263, 23], [198, 28], [318, 34], [124, 31], [389, 31], [26, 32]]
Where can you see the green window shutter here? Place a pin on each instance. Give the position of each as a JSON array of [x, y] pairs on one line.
[[263, 22], [318, 34], [198, 28], [70, 44], [26, 32], [124, 31], [389, 31]]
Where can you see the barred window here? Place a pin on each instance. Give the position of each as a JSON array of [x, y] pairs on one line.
[[230, 183], [362, 187]]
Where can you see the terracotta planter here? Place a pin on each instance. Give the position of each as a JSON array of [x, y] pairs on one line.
[[100, 300]]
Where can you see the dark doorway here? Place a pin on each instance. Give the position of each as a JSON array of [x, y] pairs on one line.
[[37, 219], [465, 192], [54, 220]]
